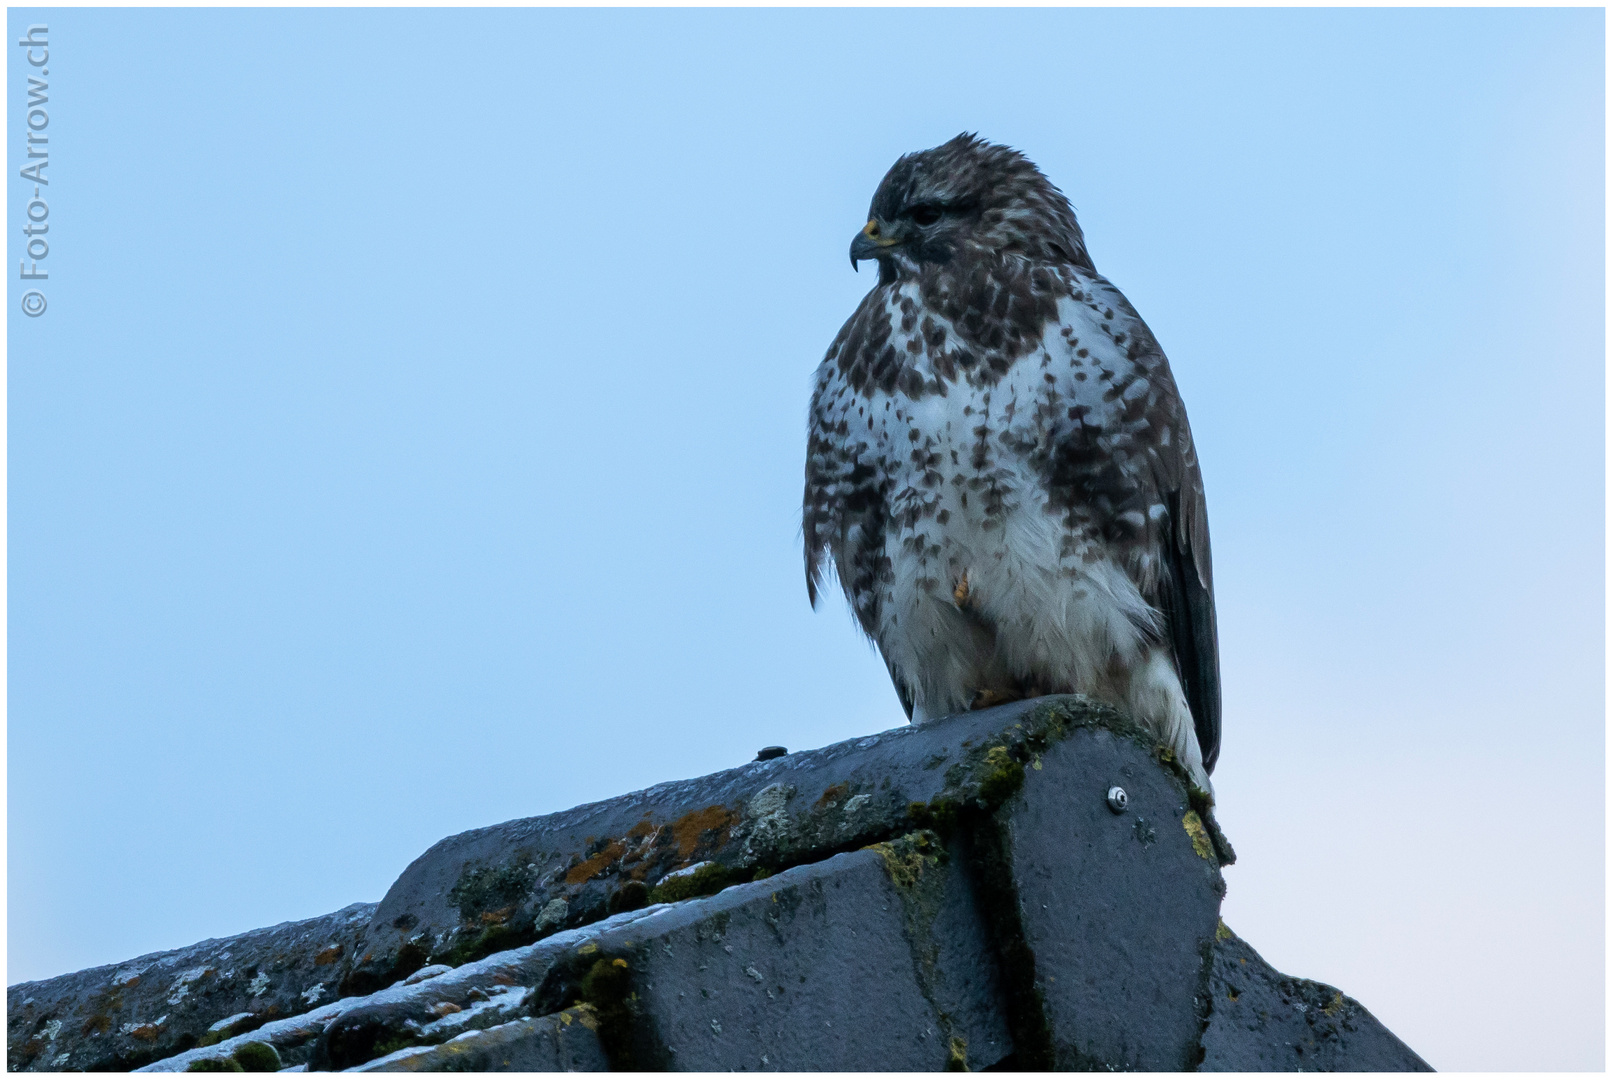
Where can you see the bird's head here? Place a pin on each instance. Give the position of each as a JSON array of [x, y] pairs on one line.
[[966, 199]]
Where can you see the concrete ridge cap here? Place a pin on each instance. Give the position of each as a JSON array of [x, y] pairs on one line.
[[520, 1025], [732, 896], [1107, 716], [1035, 721], [792, 761], [574, 815], [449, 982], [169, 957], [286, 1026], [466, 975], [1025, 727]]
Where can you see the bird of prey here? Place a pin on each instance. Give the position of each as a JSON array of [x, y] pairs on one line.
[[1000, 467]]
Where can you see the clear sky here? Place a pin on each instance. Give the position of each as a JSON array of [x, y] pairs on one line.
[[414, 439]]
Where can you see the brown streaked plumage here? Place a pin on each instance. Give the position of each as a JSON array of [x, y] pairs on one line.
[[1000, 467]]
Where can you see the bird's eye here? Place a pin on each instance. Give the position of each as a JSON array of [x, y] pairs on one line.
[[925, 215]]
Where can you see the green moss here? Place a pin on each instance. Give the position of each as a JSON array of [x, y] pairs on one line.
[[938, 814], [605, 985], [1196, 832], [392, 1044], [215, 1065], [1057, 716], [913, 864], [709, 879], [998, 777], [1204, 806], [213, 1037], [257, 1057], [1024, 1007], [488, 888], [958, 1054], [630, 897], [484, 942], [909, 857], [366, 977], [607, 989]]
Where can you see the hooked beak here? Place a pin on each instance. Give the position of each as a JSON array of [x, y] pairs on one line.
[[871, 242]]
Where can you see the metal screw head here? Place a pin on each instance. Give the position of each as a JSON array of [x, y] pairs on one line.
[[1117, 799]]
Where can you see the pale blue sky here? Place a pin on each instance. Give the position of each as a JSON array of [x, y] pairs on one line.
[[414, 441]]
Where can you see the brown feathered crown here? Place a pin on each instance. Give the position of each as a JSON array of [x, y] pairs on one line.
[[969, 197]]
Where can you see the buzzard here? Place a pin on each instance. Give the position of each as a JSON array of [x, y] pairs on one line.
[[999, 465]]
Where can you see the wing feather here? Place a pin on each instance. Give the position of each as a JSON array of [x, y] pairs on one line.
[[844, 512], [1117, 467], [1187, 598]]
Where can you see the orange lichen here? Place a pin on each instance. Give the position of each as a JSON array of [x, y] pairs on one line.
[[495, 918], [328, 956], [689, 829], [592, 868], [831, 795]]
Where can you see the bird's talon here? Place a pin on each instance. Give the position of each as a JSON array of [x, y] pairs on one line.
[[985, 699], [960, 592]]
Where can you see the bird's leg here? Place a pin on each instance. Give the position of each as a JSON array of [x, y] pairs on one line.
[[1023, 689], [1155, 699], [985, 699], [960, 591]]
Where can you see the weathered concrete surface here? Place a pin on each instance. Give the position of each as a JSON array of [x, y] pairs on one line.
[[1264, 1021], [1106, 919], [956, 894], [567, 1041], [482, 994], [119, 1016], [291, 1039], [774, 974], [497, 887], [873, 960]]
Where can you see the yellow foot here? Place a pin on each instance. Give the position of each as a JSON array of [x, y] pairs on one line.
[[960, 592], [985, 699]]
